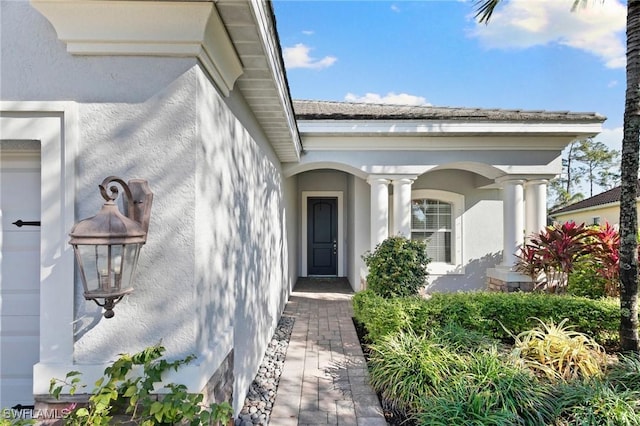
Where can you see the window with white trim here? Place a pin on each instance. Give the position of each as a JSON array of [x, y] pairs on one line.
[[431, 221], [436, 216]]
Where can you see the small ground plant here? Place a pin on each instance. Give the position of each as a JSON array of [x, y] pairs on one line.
[[397, 267], [442, 361], [438, 384], [559, 353], [121, 388]]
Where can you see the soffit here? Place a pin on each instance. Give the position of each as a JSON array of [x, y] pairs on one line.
[[251, 28]]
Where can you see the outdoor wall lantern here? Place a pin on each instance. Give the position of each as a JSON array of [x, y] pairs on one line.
[[108, 244]]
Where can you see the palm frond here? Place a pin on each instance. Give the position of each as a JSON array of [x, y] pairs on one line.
[[484, 9]]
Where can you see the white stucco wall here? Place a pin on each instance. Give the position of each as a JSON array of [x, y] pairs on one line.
[[34, 65], [217, 268], [481, 228], [153, 140], [244, 261]]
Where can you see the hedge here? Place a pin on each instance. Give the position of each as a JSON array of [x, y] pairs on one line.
[[488, 313]]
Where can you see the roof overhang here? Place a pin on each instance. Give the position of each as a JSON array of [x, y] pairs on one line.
[[446, 128], [234, 40], [441, 135]]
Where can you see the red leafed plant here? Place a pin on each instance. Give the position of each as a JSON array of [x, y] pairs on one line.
[[549, 256], [607, 256]]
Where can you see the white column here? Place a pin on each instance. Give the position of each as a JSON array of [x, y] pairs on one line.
[[379, 209], [402, 206], [535, 195], [513, 220]]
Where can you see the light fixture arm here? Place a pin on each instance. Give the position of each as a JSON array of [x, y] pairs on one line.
[[138, 198]]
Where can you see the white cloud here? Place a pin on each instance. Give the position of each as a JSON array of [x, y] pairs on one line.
[[612, 83], [390, 98], [298, 57], [612, 138], [395, 8], [308, 32], [597, 28]]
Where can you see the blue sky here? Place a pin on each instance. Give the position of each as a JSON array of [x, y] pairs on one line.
[[534, 54]]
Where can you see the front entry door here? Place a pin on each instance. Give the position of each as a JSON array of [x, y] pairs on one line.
[[322, 236]]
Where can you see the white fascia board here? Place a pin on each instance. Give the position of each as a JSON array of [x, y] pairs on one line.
[[409, 142], [445, 127], [146, 28]]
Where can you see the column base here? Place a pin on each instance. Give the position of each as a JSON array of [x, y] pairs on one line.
[[503, 279]]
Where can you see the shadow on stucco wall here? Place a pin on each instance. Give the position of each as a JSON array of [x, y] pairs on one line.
[[473, 279], [215, 272]]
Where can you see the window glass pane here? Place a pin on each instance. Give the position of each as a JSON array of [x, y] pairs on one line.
[[445, 221], [418, 217], [431, 221], [447, 245]]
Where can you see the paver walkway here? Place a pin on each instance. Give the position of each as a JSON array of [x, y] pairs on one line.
[[324, 379]]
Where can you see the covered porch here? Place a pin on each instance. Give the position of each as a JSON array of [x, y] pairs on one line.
[[472, 185]]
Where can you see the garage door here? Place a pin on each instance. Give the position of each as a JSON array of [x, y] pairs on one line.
[[19, 270]]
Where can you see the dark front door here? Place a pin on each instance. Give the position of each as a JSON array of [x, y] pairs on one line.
[[322, 236]]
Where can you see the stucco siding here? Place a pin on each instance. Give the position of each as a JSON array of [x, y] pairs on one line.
[[153, 140], [242, 235], [34, 65], [481, 228], [217, 268]]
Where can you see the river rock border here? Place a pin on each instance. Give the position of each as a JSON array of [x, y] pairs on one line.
[[262, 392]]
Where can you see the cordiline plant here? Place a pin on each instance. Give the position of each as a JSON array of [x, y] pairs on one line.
[[550, 255], [607, 255]]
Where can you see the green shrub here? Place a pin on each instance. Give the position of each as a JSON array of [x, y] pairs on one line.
[[397, 267], [459, 339], [488, 313], [587, 281], [134, 394], [381, 316]]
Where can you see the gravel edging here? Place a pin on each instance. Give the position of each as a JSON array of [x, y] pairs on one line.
[[262, 392]]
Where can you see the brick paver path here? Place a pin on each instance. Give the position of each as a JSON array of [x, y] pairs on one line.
[[324, 380]]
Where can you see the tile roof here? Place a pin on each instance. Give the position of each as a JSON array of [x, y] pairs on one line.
[[607, 197], [318, 110]]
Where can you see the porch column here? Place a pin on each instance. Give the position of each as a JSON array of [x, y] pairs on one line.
[[379, 209], [402, 206], [513, 220], [535, 195]]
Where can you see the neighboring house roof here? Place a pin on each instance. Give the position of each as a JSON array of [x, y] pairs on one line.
[[318, 110], [607, 197]]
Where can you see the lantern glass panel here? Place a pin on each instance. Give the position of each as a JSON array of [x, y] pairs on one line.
[[107, 269]]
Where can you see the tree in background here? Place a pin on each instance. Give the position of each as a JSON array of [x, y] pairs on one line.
[[629, 173], [587, 159], [597, 164]]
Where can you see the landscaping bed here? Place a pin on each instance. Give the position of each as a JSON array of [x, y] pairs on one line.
[[466, 359]]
